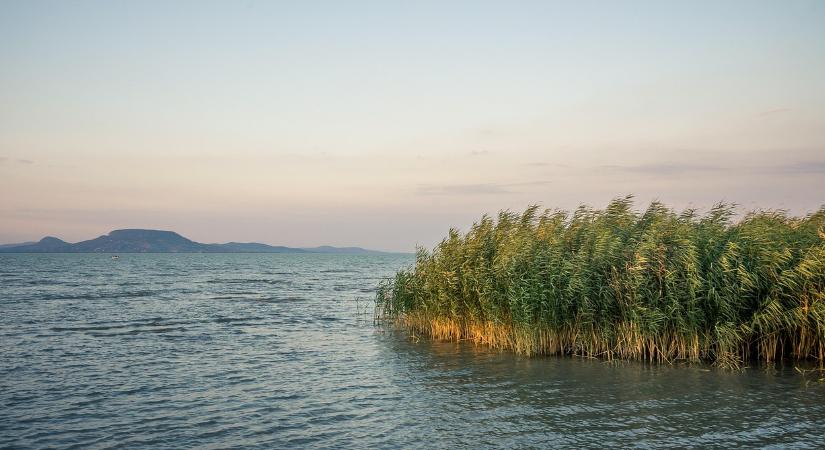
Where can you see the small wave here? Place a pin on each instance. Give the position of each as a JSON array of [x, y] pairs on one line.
[[235, 294], [101, 295], [233, 319], [262, 299], [289, 298], [139, 331], [153, 324], [124, 325], [247, 281]]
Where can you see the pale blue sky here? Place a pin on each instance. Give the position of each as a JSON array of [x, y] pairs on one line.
[[383, 124]]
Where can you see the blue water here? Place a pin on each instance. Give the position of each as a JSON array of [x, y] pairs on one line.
[[245, 351]]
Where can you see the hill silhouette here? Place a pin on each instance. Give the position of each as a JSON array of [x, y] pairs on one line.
[[161, 241]]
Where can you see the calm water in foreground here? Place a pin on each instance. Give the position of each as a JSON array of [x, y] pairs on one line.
[[241, 351]]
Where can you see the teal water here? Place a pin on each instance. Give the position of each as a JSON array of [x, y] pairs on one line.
[[268, 351]]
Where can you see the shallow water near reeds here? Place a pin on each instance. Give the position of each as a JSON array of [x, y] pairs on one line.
[[244, 351]]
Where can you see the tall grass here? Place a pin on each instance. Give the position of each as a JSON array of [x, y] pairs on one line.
[[658, 285]]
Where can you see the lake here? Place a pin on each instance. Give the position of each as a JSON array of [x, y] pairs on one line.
[[273, 350]]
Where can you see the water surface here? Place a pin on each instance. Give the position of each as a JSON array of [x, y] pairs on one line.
[[244, 351]]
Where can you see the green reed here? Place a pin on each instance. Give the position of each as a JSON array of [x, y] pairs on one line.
[[659, 285]]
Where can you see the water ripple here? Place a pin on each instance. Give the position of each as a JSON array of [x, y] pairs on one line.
[[263, 351]]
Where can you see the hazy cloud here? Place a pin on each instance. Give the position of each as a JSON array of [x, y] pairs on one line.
[[665, 168], [479, 153], [804, 166], [807, 167], [476, 189], [4, 159], [546, 164], [486, 131], [774, 111], [463, 189]]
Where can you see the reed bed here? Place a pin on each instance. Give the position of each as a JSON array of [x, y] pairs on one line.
[[657, 285]]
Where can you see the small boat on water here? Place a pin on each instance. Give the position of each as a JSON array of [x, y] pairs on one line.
[[115, 257]]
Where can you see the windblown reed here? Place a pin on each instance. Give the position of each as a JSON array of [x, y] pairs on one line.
[[659, 285]]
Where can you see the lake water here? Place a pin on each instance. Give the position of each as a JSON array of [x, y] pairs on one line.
[[243, 351]]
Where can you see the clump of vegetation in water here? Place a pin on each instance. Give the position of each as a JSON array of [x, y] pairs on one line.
[[659, 285]]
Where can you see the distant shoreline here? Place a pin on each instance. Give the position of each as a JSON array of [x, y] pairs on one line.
[[368, 253], [161, 241]]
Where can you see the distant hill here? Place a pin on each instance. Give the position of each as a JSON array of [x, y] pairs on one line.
[[254, 247], [141, 241], [16, 245], [159, 241], [341, 250], [46, 245]]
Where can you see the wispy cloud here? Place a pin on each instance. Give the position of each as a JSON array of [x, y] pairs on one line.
[[4, 159], [806, 167], [463, 189], [476, 189], [547, 164], [486, 131], [803, 165], [774, 111], [665, 168]]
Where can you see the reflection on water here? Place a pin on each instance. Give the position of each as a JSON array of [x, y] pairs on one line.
[[571, 401], [172, 351]]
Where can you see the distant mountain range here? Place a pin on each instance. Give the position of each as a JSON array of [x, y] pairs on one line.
[[158, 241]]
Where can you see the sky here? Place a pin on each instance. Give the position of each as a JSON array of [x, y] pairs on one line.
[[383, 124]]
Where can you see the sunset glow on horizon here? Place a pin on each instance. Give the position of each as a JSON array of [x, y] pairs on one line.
[[382, 126]]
